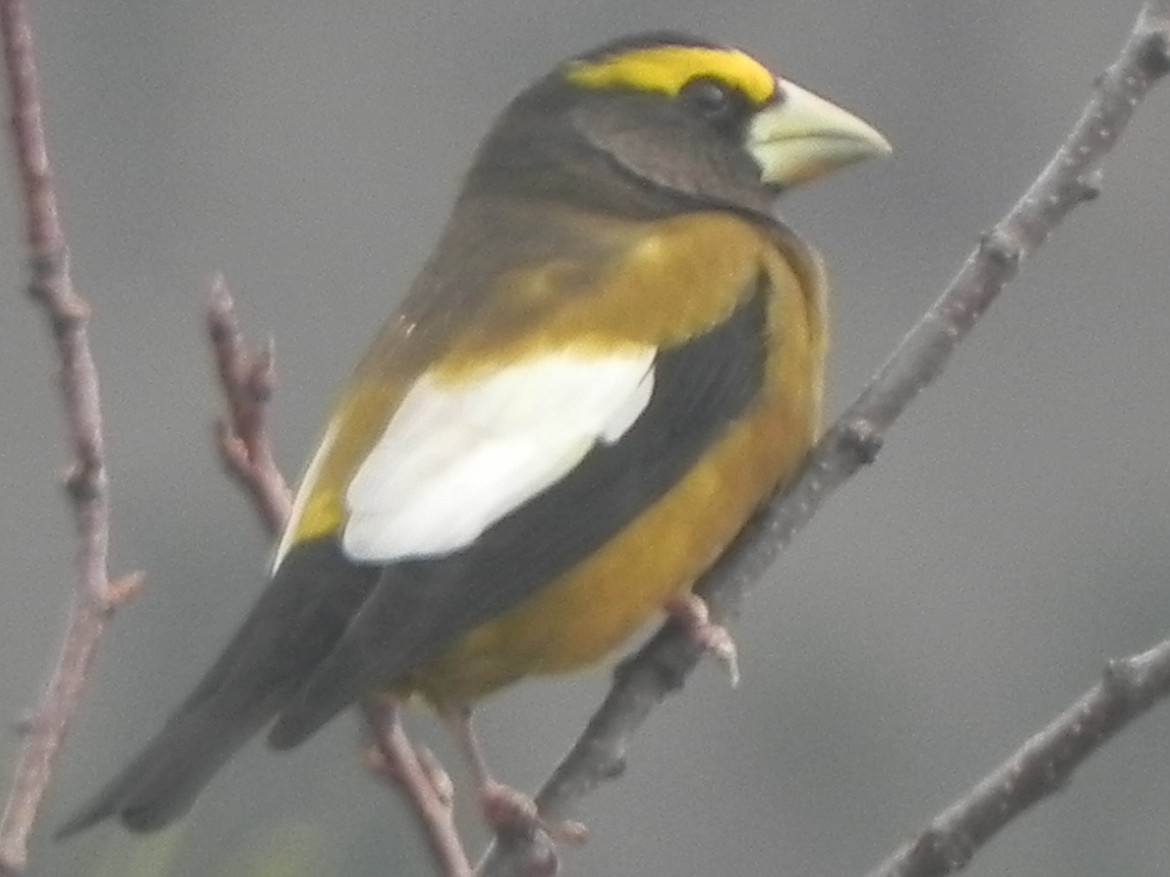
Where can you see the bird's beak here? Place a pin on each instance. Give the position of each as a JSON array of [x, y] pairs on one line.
[[803, 136]]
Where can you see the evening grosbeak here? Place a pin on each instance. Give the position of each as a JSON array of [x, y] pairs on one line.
[[612, 358]]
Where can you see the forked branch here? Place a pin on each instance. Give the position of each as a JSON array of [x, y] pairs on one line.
[[67, 316]]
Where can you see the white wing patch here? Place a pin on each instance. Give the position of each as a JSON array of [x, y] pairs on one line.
[[455, 459]]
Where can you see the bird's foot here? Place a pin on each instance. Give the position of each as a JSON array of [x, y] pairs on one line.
[[506, 810], [690, 612]]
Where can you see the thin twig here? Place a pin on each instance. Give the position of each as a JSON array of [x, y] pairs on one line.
[[242, 436], [421, 780], [661, 666], [1041, 767], [67, 314]]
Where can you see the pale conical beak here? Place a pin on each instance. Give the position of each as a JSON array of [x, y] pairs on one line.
[[803, 137]]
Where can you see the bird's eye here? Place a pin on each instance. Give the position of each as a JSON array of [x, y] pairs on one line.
[[712, 98]]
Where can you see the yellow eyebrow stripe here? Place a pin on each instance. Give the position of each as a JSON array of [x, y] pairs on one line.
[[667, 69]]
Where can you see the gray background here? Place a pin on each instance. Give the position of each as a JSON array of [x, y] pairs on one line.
[[949, 601]]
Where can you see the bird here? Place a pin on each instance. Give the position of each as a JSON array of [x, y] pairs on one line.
[[614, 355]]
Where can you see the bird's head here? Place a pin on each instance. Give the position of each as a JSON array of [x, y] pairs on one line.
[[670, 113]]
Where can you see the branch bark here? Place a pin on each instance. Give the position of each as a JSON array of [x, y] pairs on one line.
[[1071, 177], [86, 483]]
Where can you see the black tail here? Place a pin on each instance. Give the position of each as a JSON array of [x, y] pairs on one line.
[[295, 623], [160, 784]]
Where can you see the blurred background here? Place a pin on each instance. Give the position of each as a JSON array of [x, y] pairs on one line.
[[944, 606]]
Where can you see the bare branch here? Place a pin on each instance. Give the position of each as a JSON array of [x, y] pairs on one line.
[[67, 315], [660, 667], [420, 779], [248, 381], [1039, 768]]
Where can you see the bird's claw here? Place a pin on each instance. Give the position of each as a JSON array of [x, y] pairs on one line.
[[692, 614], [507, 810]]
